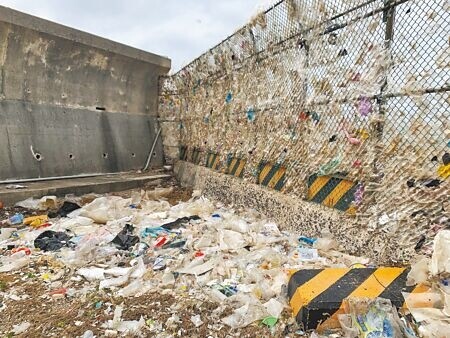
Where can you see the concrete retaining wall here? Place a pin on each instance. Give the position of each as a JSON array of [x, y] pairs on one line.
[[71, 102], [292, 213]]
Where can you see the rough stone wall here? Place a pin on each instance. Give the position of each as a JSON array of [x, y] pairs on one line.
[[82, 103], [339, 103]]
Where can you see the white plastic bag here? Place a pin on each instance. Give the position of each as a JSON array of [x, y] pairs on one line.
[[14, 262], [92, 273], [245, 315], [231, 240], [440, 261], [419, 271]]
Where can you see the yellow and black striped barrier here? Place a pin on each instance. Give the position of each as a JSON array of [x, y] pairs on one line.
[[316, 295], [183, 153], [196, 155], [331, 191], [236, 166], [271, 175], [212, 160]]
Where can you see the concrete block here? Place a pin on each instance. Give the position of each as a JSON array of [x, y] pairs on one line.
[[316, 295]]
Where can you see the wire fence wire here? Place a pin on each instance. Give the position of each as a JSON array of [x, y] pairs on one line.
[[349, 97]]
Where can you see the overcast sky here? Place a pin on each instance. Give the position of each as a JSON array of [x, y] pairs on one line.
[[179, 29]]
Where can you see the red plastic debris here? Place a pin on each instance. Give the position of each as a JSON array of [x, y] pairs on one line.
[[199, 254], [60, 291], [27, 250], [160, 241]]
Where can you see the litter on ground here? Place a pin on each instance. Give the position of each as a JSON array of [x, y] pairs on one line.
[[137, 265]]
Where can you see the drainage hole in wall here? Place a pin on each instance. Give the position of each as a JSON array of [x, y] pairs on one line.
[[154, 154], [105, 155], [71, 156], [38, 156], [133, 155], [100, 108]]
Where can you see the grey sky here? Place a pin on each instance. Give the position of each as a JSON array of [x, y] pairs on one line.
[[179, 29]]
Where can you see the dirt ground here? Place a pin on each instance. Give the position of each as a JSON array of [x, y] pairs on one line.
[[52, 316]]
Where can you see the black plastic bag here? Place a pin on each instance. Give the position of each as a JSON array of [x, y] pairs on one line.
[[65, 209], [179, 222], [51, 240], [125, 239]]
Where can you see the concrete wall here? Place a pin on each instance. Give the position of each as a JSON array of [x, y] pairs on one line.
[[77, 102]]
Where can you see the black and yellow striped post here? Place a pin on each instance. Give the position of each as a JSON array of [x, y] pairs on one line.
[[196, 155], [332, 191], [271, 175], [183, 153], [212, 160], [316, 295], [236, 166]]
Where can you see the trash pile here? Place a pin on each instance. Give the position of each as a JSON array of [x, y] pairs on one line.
[[215, 269]]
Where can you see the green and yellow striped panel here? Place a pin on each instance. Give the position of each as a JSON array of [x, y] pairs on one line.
[[196, 155], [316, 295], [236, 166], [212, 160], [183, 153], [334, 192], [271, 175]]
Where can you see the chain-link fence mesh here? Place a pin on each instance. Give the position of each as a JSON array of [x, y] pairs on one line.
[[343, 103]]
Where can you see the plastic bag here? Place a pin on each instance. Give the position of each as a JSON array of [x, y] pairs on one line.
[[125, 239], [51, 240], [194, 268], [274, 308], [14, 262], [129, 326], [373, 318], [440, 260], [179, 222], [21, 328], [46, 202], [419, 271], [196, 320], [231, 240], [5, 233], [108, 283], [65, 209], [245, 315], [92, 273], [36, 221], [104, 209], [135, 288]]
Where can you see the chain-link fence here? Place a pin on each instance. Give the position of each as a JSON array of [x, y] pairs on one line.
[[343, 103]]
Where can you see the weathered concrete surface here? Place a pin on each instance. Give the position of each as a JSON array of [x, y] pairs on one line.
[[72, 141], [64, 92], [80, 186], [293, 214]]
